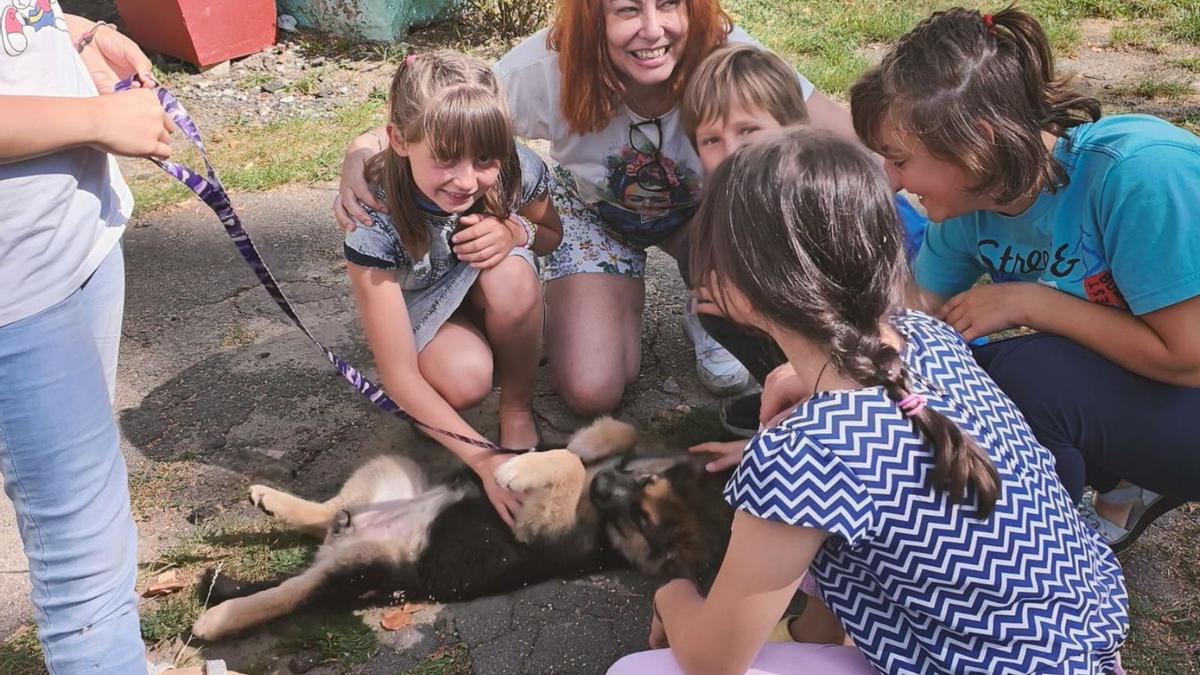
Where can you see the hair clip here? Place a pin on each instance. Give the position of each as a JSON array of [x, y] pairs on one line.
[[912, 404], [990, 23]]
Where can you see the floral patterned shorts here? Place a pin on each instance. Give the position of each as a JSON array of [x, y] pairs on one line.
[[587, 245]]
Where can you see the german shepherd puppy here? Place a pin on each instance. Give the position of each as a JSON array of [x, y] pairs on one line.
[[593, 505]]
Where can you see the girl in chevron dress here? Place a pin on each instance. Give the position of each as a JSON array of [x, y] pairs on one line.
[[907, 484]]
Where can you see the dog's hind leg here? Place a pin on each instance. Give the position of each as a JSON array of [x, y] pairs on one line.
[[388, 478], [603, 438], [313, 518], [236, 615]]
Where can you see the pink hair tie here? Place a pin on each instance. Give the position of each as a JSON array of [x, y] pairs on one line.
[[912, 404], [989, 23], [408, 60]]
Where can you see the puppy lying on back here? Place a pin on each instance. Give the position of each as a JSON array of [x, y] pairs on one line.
[[593, 505]]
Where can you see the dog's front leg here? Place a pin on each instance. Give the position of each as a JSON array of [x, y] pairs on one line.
[[554, 483]]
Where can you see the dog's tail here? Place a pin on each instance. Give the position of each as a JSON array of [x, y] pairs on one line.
[[602, 438]]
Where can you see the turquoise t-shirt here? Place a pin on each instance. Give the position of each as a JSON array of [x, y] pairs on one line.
[[1123, 232]]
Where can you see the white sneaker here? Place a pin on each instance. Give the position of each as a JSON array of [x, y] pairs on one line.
[[719, 371]]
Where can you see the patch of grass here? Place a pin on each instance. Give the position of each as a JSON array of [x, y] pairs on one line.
[[154, 487], [1190, 64], [1190, 122], [451, 659], [1185, 25], [1157, 89], [253, 81], [258, 555], [1135, 36], [332, 638], [172, 618], [22, 653], [309, 83], [250, 158]]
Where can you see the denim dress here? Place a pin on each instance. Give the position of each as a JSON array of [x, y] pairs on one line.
[[435, 285]]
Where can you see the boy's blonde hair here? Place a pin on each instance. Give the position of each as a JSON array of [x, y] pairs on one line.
[[452, 102], [742, 74]]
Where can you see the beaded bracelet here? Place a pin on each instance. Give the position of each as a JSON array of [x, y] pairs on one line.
[[90, 34], [530, 229]]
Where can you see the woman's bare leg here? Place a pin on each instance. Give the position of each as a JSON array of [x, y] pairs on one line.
[[593, 338]]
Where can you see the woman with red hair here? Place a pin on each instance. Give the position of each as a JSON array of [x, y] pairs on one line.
[[601, 85]]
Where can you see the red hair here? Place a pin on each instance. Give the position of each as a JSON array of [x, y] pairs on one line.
[[591, 89]]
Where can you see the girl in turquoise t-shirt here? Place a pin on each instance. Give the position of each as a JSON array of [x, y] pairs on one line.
[[1089, 221]]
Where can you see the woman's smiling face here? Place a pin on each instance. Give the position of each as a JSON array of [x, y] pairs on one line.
[[645, 38]]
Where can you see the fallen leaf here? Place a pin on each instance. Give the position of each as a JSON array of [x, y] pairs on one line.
[[164, 588], [413, 607], [395, 619]]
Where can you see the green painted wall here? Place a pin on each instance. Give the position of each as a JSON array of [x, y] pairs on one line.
[[372, 20]]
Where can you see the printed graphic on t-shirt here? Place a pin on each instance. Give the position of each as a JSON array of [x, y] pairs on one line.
[[1102, 288], [653, 196], [20, 19], [1082, 267]]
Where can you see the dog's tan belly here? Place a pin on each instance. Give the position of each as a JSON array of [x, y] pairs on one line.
[[402, 525]]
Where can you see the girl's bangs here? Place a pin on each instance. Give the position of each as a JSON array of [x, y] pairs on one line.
[[468, 122]]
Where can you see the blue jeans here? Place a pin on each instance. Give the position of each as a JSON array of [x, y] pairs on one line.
[[63, 470]]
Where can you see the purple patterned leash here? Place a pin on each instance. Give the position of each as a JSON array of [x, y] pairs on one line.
[[209, 189]]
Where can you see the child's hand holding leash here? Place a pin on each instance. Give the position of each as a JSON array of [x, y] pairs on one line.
[[133, 124]]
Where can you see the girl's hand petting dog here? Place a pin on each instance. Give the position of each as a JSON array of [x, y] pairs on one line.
[[506, 502], [728, 454], [989, 308], [483, 241]]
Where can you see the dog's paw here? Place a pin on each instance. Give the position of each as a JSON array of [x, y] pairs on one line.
[[212, 623], [538, 470], [602, 438], [262, 496]]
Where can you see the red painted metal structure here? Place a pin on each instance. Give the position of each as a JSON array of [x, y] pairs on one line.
[[202, 32]]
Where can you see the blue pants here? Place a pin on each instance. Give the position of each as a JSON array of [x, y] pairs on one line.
[[1102, 422], [63, 471]]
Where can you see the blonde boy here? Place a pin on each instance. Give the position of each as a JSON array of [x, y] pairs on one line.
[[739, 93]]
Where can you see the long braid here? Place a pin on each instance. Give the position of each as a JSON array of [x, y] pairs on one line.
[[960, 465]]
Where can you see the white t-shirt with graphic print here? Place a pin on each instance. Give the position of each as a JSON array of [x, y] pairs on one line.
[[62, 213], [614, 169]]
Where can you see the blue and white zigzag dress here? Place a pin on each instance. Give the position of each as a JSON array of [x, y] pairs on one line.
[[919, 583]]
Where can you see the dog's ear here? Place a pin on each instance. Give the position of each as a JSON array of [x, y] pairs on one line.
[[602, 438]]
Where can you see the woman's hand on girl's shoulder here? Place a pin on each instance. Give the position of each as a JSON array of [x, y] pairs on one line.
[[353, 188], [483, 241]]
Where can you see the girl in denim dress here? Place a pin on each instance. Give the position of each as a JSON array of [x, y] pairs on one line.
[[445, 281]]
